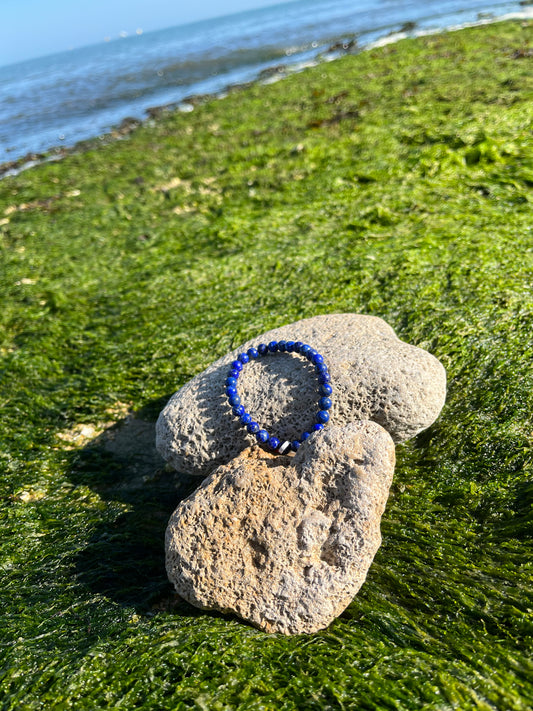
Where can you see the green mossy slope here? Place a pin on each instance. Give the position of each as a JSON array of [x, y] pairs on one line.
[[399, 183]]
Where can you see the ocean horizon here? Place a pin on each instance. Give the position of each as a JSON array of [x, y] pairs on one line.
[[56, 101]]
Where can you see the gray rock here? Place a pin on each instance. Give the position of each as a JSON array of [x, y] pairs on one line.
[[375, 376], [285, 542]]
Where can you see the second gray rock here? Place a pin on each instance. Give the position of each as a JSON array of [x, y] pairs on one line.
[[375, 376]]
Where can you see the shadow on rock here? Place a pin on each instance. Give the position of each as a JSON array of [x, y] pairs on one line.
[[124, 558]]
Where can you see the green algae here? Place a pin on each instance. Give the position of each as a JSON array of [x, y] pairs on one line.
[[397, 182]]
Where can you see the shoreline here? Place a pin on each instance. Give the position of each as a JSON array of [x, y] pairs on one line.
[[269, 75]]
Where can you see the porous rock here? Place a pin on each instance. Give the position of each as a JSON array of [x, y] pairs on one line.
[[375, 376], [285, 542]]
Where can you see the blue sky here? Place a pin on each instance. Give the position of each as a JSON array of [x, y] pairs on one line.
[[34, 28]]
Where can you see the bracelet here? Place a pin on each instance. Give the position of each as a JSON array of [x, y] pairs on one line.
[[325, 390]]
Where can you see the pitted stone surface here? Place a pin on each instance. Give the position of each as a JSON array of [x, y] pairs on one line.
[[375, 376], [285, 542]]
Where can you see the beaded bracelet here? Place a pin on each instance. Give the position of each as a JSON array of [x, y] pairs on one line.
[[325, 390]]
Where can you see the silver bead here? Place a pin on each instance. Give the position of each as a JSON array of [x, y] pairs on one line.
[[284, 447]]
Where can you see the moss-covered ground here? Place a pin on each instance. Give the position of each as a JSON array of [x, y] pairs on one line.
[[397, 182]]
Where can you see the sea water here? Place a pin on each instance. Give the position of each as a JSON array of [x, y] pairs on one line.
[[64, 98]]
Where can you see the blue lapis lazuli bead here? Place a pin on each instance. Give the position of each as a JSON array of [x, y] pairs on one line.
[[326, 389], [321, 368], [304, 350], [289, 347], [318, 426], [324, 378], [273, 346], [304, 436], [231, 382], [236, 365], [298, 345], [311, 354], [244, 357], [234, 400], [324, 403], [322, 417], [231, 390], [282, 346], [262, 349], [233, 373], [252, 427], [273, 442], [239, 410], [253, 353], [317, 359], [246, 418], [295, 445], [262, 436]]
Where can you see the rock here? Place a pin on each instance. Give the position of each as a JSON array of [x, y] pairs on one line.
[[285, 542], [272, 71], [342, 46], [127, 125], [375, 376]]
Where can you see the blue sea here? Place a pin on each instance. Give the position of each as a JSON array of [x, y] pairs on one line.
[[61, 99]]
